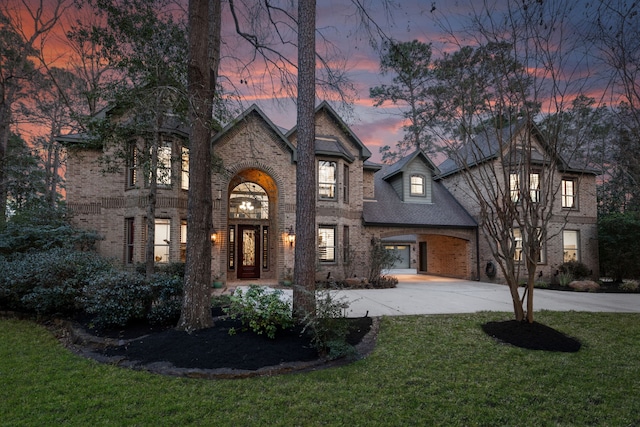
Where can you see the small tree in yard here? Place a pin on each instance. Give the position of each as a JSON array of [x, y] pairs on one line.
[[380, 259]]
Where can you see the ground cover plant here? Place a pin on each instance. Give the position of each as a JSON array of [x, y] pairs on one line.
[[425, 370]]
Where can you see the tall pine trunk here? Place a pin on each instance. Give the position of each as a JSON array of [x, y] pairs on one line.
[[204, 48], [305, 256]]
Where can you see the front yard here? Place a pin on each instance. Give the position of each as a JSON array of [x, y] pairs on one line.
[[425, 370]]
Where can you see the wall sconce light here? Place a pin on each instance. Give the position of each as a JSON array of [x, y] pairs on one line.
[[214, 236], [291, 235]]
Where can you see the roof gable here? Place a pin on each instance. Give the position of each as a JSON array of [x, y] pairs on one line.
[[325, 108], [255, 111], [403, 164]]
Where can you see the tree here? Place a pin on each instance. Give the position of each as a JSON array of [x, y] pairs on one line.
[[205, 18], [487, 98], [305, 259], [17, 53], [410, 62]]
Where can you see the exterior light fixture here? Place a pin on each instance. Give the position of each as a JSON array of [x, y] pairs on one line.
[[214, 236], [291, 235]]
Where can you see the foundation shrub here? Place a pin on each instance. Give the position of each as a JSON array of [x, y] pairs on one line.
[[576, 269], [116, 299], [261, 310], [166, 299]]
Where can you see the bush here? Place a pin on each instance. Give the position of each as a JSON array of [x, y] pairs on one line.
[[166, 299], [577, 270], [49, 282], [261, 310], [619, 246], [116, 299], [329, 327]]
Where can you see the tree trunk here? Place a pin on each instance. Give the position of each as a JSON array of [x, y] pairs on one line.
[[305, 255], [204, 44], [5, 119]]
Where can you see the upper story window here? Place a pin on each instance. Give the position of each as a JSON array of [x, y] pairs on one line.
[[248, 200], [131, 165], [533, 184], [163, 168], [417, 185], [345, 184], [184, 164], [327, 179], [568, 193]]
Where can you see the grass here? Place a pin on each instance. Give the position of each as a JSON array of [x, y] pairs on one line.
[[426, 370]]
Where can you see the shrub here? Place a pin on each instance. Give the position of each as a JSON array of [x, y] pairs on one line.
[[116, 299], [619, 246], [576, 269], [329, 327], [166, 299], [564, 279], [260, 309], [629, 285], [49, 282], [385, 282], [380, 259]]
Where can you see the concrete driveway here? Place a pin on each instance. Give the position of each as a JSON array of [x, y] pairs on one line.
[[420, 294]]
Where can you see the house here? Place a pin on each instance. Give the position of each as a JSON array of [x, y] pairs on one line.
[[565, 189], [410, 205]]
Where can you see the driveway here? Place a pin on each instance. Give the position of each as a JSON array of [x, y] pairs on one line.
[[420, 294]]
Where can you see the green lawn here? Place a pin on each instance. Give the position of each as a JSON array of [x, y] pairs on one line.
[[426, 370]]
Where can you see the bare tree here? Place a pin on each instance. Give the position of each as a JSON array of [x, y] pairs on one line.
[[489, 98], [20, 37]]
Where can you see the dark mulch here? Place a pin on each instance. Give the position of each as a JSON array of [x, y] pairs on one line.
[[532, 336], [215, 348]]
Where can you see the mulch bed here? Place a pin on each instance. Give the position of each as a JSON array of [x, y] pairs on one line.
[[532, 336]]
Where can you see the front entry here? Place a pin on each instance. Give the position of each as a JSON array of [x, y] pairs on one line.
[[248, 252]]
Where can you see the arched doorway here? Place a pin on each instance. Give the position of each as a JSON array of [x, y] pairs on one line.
[[251, 220]]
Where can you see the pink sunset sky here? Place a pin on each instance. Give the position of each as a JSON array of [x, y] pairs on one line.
[[428, 21]]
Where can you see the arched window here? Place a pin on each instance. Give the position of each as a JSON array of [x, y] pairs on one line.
[[248, 200]]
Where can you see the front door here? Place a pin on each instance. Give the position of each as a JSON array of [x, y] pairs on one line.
[[248, 252]]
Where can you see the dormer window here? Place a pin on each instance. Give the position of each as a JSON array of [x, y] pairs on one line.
[[417, 185]]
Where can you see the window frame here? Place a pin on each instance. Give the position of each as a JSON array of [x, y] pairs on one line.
[[164, 243], [517, 255], [515, 180], [422, 184], [130, 240], [564, 196], [328, 249], [131, 176], [345, 184], [331, 185], [576, 249]]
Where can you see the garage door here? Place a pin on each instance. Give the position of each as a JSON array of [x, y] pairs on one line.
[[404, 252]]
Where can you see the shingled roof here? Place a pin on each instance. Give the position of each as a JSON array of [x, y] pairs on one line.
[[389, 210]]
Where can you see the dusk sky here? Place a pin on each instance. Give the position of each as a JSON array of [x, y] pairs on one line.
[[337, 21]]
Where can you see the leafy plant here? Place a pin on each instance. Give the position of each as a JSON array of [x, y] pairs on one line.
[[329, 327], [260, 309], [565, 278], [380, 259], [166, 299], [576, 269], [117, 298]]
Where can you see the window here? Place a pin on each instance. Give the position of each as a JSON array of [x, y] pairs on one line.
[[327, 179], [183, 240], [130, 240], [184, 178], [231, 254], [571, 248], [518, 253], [161, 240], [163, 169], [327, 243], [131, 165], [345, 184], [265, 248], [345, 241], [514, 187], [534, 187], [417, 185], [568, 193], [249, 200]]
